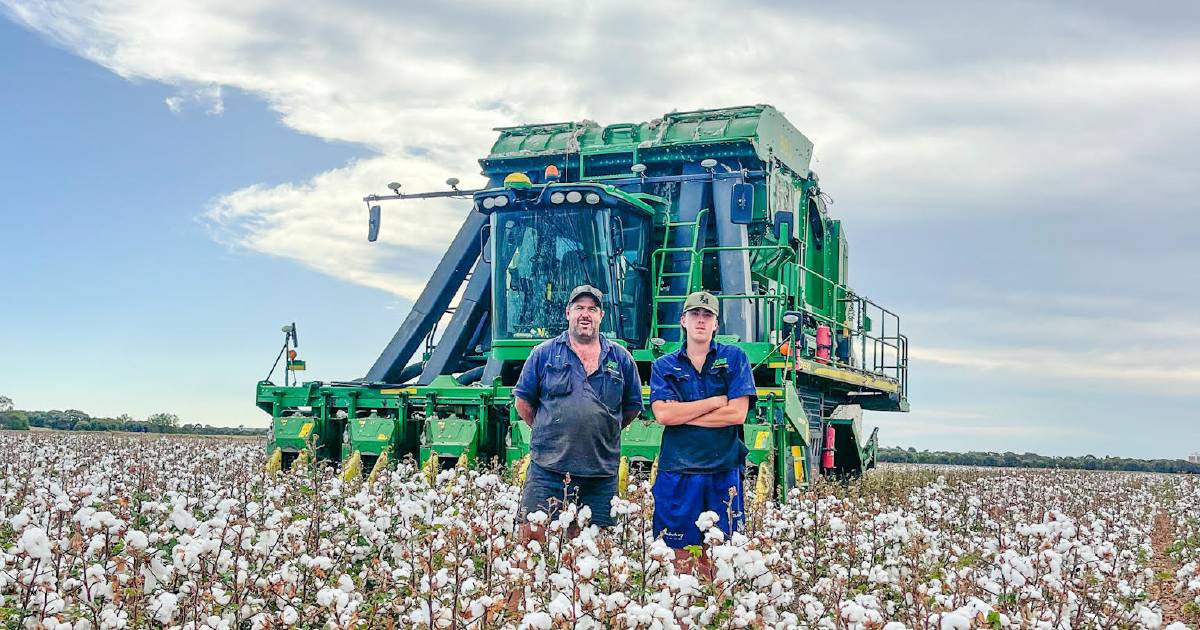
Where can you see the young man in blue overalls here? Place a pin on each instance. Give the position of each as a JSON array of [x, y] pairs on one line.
[[701, 394]]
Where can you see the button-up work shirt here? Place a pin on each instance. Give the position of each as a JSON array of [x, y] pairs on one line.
[[577, 427], [692, 449]]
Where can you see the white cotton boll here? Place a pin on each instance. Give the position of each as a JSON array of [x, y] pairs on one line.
[[1177, 626], [584, 517], [586, 566], [559, 607], [326, 597], [955, 621], [137, 540], [35, 543], [836, 524], [289, 616], [537, 621], [164, 606], [20, 521], [706, 520], [895, 625], [345, 583], [538, 518]]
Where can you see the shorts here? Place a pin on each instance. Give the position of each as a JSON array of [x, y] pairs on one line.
[[545, 490], [679, 498]]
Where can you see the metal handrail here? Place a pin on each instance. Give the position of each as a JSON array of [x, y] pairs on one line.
[[882, 345]]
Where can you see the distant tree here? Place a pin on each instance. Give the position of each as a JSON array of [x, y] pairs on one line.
[[14, 420], [163, 422], [1033, 460], [6, 403]]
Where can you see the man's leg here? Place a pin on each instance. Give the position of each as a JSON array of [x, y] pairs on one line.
[[725, 497], [597, 493], [544, 491], [678, 501]]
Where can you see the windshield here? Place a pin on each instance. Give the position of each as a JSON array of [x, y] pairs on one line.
[[539, 256]]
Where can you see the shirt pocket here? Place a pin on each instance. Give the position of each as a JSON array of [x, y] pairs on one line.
[[613, 392], [683, 384], [556, 381], [717, 381]]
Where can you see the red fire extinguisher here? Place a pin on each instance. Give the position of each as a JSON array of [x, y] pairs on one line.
[[824, 343], [827, 449]]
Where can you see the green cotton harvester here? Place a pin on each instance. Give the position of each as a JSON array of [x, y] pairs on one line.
[[721, 199]]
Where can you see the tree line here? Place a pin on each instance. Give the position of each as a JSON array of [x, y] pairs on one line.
[[75, 420], [1033, 460]]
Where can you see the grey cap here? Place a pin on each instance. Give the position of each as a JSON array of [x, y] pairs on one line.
[[586, 289], [704, 300]]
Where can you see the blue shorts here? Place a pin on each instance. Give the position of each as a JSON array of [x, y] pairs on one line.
[[545, 490], [679, 498]]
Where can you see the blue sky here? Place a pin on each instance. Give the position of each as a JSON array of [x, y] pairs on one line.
[[1017, 181]]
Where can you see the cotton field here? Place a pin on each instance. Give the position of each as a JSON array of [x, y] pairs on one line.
[[128, 532]]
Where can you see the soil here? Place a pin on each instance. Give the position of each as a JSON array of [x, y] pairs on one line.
[[1163, 589]]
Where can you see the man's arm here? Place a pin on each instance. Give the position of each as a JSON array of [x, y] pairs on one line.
[[672, 412], [525, 409], [527, 390], [631, 398], [731, 414]]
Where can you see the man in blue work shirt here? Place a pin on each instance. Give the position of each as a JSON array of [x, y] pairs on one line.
[[701, 394], [577, 391]]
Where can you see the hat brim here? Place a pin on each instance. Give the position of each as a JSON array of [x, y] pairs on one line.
[[586, 294]]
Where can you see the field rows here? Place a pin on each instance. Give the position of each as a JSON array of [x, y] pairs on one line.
[[112, 532]]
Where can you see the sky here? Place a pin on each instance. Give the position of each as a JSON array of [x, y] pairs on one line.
[[1017, 180]]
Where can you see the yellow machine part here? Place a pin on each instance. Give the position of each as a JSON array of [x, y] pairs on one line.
[[653, 472], [301, 461], [380, 464], [275, 461], [623, 478], [762, 487], [353, 467], [522, 469], [430, 468]]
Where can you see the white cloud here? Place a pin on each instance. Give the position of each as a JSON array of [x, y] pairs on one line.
[[894, 131], [206, 97], [1159, 371]]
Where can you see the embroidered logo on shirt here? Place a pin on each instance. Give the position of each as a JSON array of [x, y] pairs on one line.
[[722, 362], [613, 367]]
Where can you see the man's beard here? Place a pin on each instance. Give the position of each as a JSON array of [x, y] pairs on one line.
[[580, 335]]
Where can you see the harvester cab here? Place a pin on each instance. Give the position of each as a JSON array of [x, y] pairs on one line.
[[721, 200]]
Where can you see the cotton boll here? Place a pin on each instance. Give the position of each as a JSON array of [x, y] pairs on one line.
[[537, 621], [36, 544], [136, 540]]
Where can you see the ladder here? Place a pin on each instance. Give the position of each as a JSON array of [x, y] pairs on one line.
[[663, 267]]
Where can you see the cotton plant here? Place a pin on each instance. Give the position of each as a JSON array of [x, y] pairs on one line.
[[104, 531]]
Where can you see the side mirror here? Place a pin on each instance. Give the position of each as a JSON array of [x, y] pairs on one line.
[[618, 234], [485, 242], [741, 207], [373, 224]]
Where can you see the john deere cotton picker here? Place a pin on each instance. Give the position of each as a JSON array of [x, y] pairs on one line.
[[720, 199]]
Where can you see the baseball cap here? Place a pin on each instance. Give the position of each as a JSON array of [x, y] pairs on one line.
[[586, 289], [704, 300]]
